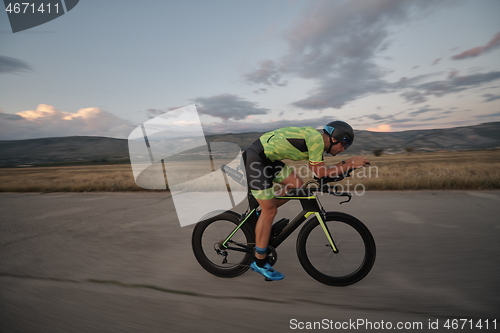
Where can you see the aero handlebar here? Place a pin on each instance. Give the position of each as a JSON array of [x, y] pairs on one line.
[[239, 177]]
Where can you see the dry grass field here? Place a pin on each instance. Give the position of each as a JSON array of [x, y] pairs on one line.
[[471, 170], [68, 179]]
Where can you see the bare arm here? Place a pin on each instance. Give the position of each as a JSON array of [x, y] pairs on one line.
[[320, 170]]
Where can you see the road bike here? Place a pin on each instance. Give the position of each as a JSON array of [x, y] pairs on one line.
[[334, 248]]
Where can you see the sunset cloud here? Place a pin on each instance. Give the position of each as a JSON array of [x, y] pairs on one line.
[[267, 72], [476, 51], [258, 126], [47, 121], [453, 84], [491, 97], [228, 106], [44, 112], [336, 44], [12, 65], [380, 128], [436, 61]]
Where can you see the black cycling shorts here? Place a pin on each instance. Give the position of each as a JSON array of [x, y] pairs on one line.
[[261, 172]]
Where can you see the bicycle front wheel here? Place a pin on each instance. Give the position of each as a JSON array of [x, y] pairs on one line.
[[355, 245], [224, 261]]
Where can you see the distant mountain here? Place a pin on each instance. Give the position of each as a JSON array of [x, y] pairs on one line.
[[64, 149], [105, 150], [483, 136]]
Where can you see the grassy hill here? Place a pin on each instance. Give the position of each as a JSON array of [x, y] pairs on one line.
[[483, 136], [65, 149], [82, 149]]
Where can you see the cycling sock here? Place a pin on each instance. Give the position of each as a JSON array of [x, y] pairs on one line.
[[260, 262], [260, 250]]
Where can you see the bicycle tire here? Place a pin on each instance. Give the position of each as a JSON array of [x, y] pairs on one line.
[[354, 242], [209, 233]]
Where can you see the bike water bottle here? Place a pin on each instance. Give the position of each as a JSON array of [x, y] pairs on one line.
[[278, 227]]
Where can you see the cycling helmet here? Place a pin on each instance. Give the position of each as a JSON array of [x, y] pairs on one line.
[[340, 131]]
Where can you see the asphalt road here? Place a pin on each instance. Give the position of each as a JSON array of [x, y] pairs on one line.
[[120, 262]]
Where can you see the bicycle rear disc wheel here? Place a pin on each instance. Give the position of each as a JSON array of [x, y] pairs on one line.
[[355, 244], [207, 239]]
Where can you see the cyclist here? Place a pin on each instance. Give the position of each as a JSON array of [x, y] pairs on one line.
[[263, 166]]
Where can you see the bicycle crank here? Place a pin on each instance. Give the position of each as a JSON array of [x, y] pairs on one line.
[[272, 255]]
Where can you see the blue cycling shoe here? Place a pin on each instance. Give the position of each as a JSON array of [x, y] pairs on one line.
[[268, 271]]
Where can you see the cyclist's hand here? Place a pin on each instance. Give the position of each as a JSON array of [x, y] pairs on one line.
[[357, 162]]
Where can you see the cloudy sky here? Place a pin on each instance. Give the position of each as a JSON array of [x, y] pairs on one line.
[[387, 65]]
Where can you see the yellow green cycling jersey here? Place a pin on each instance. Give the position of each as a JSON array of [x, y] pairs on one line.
[[294, 143]]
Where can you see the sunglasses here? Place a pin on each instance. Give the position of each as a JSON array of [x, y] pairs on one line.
[[346, 142]]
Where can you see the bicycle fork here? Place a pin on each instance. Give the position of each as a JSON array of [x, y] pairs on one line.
[[310, 206], [325, 230]]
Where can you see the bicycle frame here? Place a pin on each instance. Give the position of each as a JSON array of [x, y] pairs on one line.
[[310, 206]]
